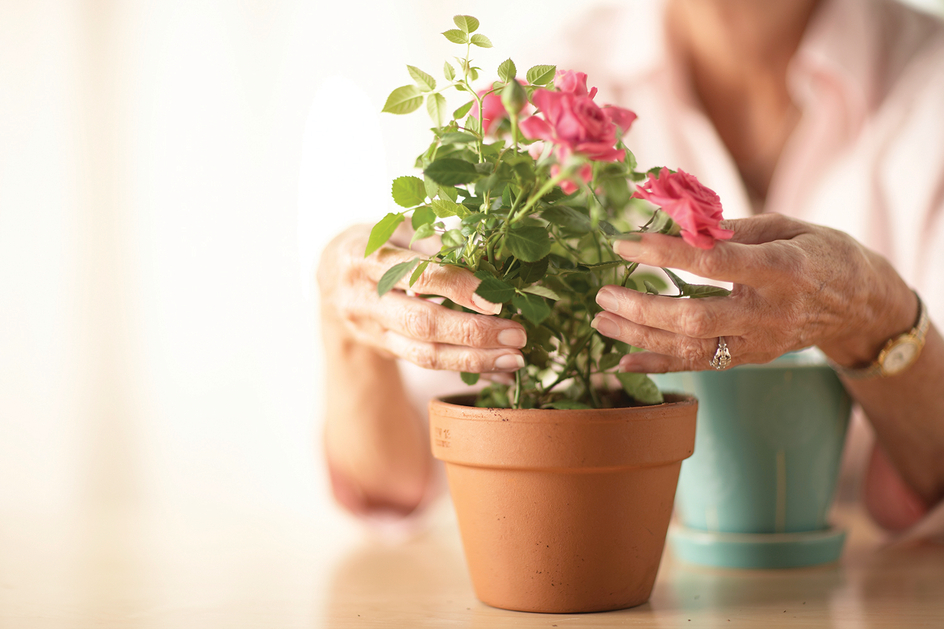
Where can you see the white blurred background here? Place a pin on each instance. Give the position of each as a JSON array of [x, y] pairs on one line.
[[169, 170]]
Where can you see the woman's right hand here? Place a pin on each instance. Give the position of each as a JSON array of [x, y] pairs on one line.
[[415, 329]]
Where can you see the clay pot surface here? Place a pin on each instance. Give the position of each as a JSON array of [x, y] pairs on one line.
[[563, 511]]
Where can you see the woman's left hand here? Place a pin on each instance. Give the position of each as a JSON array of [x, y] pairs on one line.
[[796, 285]]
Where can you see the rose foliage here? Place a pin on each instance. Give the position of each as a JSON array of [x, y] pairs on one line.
[[527, 185]]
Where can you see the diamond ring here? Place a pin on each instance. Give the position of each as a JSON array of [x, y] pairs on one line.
[[722, 357]]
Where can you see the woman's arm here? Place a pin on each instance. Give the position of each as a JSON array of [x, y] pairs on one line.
[[796, 285], [376, 442]]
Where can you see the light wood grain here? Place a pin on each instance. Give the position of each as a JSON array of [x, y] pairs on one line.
[[216, 570]]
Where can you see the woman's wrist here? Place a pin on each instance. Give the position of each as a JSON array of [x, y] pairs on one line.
[[879, 316]]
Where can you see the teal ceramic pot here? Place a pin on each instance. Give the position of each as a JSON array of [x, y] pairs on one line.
[[767, 451]]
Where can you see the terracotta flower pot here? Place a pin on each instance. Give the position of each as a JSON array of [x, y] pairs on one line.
[[563, 511]]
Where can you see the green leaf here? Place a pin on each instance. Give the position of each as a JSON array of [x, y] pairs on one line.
[[436, 107], [472, 125], [408, 191], [608, 229], [697, 291], [481, 41], [463, 110], [448, 192], [495, 290], [418, 271], [451, 172], [679, 282], [467, 23], [617, 191], [382, 232], [534, 308], [640, 387], [424, 81], [541, 75], [602, 266], [448, 71], [528, 243], [453, 238], [568, 217], [469, 378], [458, 137], [531, 272], [394, 274], [652, 290], [456, 36], [424, 231], [403, 100], [541, 291], [507, 70], [474, 219], [444, 208], [422, 216], [432, 188], [608, 361]]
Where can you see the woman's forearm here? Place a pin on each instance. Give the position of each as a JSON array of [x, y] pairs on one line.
[[907, 413], [376, 442]]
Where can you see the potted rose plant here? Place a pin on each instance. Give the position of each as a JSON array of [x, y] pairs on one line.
[[564, 480]]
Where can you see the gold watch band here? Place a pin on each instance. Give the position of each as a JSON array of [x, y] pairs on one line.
[[899, 353]]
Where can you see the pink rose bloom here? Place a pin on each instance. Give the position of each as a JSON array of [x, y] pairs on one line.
[[577, 124], [574, 83], [493, 111], [696, 208]]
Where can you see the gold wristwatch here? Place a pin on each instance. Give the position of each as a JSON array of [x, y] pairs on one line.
[[899, 353]]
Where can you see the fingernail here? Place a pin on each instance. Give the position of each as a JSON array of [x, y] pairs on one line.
[[627, 248], [512, 337], [509, 362], [605, 326], [484, 305], [607, 301]]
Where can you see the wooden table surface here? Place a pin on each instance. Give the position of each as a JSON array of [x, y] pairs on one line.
[[159, 569]]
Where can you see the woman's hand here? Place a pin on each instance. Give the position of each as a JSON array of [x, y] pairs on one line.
[[796, 285], [412, 328]]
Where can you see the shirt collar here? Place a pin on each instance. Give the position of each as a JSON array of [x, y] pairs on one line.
[[838, 52]]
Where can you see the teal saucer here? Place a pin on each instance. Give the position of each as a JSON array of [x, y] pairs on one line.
[[757, 550]]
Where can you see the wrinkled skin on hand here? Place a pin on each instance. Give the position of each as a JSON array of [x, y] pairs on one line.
[[796, 285], [405, 326]]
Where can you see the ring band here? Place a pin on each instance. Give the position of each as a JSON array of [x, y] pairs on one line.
[[722, 357]]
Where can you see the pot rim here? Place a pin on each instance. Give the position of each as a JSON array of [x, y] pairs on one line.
[[674, 400], [552, 439]]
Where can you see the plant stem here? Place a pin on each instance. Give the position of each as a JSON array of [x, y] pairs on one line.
[[570, 361], [547, 187], [629, 271], [516, 403], [514, 130]]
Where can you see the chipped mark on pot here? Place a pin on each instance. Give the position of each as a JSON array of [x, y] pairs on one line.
[[442, 437], [496, 413]]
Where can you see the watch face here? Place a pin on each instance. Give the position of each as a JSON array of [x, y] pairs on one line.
[[900, 356]]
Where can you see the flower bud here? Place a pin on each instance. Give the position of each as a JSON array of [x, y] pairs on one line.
[[514, 98]]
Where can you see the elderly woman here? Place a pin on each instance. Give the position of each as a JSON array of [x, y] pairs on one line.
[[821, 125]]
